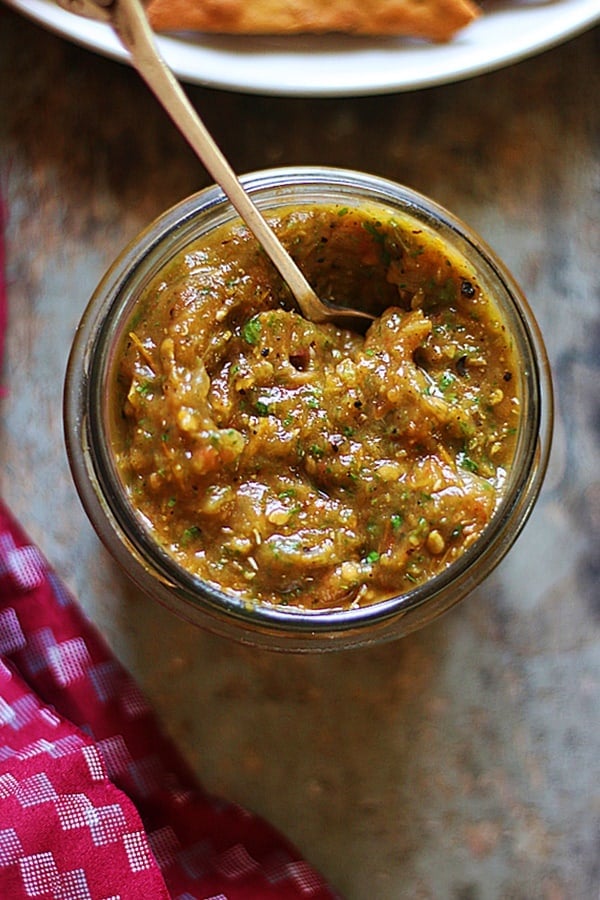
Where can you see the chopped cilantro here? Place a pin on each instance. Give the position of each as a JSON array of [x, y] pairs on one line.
[[189, 534], [446, 380], [251, 330], [143, 388], [374, 231], [465, 462]]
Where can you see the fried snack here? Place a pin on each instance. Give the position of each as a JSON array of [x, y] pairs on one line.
[[435, 20]]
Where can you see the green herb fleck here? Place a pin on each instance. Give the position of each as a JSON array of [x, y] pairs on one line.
[[374, 231], [446, 380], [465, 462], [251, 330], [189, 534], [143, 388]]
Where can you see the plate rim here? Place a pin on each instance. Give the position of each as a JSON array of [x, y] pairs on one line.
[[466, 60]]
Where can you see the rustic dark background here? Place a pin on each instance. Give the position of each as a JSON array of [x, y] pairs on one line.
[[462, 762]]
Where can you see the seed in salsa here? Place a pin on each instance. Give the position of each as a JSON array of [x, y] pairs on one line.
[[297, 464]]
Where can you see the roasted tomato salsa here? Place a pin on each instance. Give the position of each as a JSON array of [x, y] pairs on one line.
[[304, 465]]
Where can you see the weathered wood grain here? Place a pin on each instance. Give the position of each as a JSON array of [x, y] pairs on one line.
[[463, 761]]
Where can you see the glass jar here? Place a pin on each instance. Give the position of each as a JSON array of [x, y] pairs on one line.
[[87, 414]]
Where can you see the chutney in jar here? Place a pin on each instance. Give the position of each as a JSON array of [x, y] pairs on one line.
[[301, 464]]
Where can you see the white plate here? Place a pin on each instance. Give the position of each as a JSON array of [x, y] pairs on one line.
[[335, 66]]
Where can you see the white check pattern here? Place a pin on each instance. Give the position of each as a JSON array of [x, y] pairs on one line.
[[79, 746]]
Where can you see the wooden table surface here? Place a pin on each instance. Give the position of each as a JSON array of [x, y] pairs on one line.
[[462, 762]]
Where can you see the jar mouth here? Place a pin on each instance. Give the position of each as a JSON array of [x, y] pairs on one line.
[[86, 413]]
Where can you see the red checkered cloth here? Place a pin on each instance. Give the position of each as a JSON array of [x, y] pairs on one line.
[[95, 802]]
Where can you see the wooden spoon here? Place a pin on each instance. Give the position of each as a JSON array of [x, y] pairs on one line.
[[129, 20]]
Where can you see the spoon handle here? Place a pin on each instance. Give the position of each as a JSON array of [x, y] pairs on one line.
[[132, 27]]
